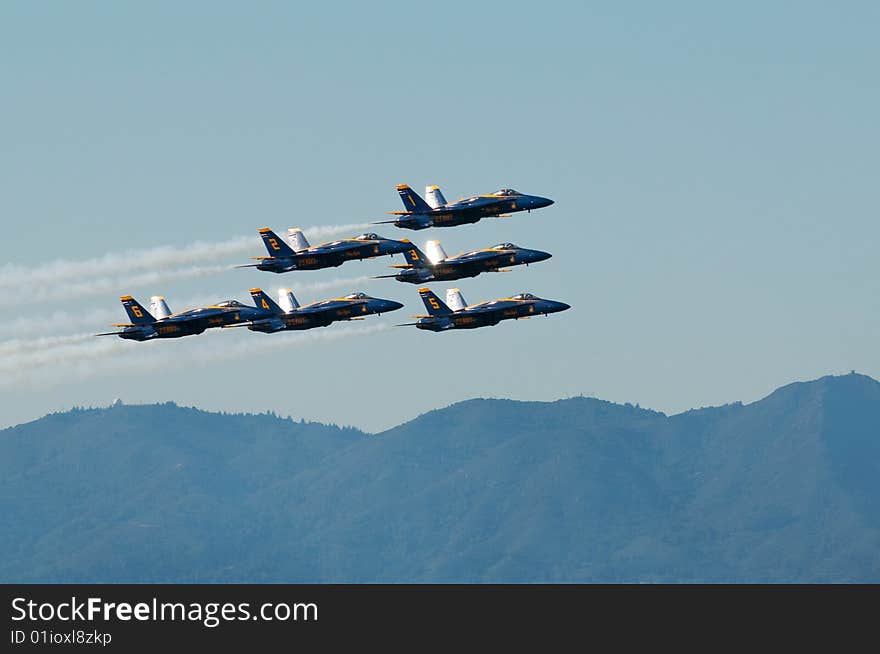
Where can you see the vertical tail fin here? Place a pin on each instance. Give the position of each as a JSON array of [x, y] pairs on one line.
[[435, 251], [263, 301], [136, 313], [433, 304], [297, 239], [412, 201], [455, 300], [275, 246], [415, 257], [159, 307], [287, 300], [434, 197]]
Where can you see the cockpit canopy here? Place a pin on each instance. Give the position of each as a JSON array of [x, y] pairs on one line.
[[524, 296], [356, 296], [230, 303], [506, 191], [369, 236], [505, 246]]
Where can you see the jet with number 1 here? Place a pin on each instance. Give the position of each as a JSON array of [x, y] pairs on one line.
[[437, 212]]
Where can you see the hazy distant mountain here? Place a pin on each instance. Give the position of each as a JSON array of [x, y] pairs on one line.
[[783, 490]]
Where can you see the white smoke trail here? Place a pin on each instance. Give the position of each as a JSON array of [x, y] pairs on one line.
[[99, 318], [36, 276], [74, 289], [27, 346], [76, 361]]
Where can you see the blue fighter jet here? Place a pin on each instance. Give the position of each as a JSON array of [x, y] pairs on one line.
[[436, 266], [299, 255], [291, 316], [144, 326], [439, 213], [455, 314]]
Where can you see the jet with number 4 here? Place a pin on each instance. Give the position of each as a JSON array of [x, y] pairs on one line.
[[437, 212], [455, 314], [287, 314], [161, 323], [299, 255], [438, 267]]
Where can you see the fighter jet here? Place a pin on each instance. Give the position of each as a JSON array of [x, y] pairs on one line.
[[437, 212], [300, 256], [420, 269], [455, 314], [291, 316], [144, 326]]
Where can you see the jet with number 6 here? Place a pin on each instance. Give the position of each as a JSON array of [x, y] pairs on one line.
[[437, 267], [299, 255], [437, 212], [287, 314], [455, 314], [144, 326]]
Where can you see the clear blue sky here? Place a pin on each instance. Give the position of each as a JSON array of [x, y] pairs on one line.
[[715, 171]]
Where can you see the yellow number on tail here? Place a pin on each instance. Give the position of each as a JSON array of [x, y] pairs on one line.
[[414, 254], [264, 303], [433, 303], [274, 243], [137, 311]]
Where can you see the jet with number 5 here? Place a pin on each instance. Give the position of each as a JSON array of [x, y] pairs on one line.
[[291, 316], [438, 267], [455, 314], [299, 255], [145, 326], [437, 212]]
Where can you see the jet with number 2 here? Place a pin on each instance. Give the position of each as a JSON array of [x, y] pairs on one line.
[[437, 267], [299, 255], [144, 326], [455, 314], [437, 212]]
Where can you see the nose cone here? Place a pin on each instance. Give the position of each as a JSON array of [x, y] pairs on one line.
[[539, 203], [554, 307], [533, 256], [384, 306]]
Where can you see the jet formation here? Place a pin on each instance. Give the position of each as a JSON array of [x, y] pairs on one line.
[[268, 316]]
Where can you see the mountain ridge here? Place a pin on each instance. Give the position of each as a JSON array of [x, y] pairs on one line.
[[784, 489]]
